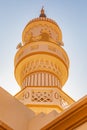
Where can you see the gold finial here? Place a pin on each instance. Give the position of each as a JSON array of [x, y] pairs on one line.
[[42, 14]]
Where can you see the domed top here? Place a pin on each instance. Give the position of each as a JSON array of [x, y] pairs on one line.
[[41, 51], [42, 14], [42, 28]]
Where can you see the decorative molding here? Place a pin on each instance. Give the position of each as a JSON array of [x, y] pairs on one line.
[[43, 96], [41, 47], [70, 119], [41, 79], [35, 66]]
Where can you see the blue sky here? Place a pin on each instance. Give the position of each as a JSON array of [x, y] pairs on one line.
[[71, 16]]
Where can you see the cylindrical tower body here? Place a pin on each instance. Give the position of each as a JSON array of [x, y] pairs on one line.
[[41, 66]]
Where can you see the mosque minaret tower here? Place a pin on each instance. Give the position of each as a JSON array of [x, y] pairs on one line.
[[41, 66]]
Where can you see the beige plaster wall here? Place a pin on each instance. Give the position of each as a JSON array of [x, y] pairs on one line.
[[41, 120], [82, 127], [14, 113]]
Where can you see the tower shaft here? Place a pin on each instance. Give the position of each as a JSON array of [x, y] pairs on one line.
[[41, 66]]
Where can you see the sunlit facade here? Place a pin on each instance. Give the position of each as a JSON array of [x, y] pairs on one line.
[[41, 68]]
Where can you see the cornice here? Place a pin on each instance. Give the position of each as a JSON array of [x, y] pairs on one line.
[[71, 118], [4, 126]]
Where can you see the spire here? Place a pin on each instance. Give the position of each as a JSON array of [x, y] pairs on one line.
[[42, 14]]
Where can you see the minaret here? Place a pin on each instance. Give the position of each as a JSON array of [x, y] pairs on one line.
[[42, 66]]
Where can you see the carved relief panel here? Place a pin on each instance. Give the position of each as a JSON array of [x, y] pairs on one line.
[[41, 32]]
